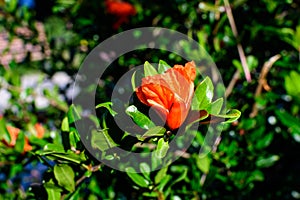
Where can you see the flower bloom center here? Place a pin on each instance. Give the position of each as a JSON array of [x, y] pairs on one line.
[[170, 93]]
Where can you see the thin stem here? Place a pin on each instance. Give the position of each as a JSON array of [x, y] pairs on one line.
[[262, 82], [239, 45], [232, 83]]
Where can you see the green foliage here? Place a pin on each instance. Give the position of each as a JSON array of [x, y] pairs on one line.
[[64, 175], [203, 95], [149, 70], [255, 157]]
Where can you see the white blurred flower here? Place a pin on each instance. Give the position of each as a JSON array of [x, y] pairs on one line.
[[41, 102], [30, 80], [72, 92], [62, 79], [4, 100]]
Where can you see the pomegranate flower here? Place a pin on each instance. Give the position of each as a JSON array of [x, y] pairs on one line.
[[122, 11], [14, 132], [170, 93]]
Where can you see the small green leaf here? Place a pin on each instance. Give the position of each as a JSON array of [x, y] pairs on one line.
[[73, 138], [162, 148], [53, 191], [69, 156], [149, 70], [203, 162], [290, 121], [163, 66], [107, 105], [292, 84], [12, 5], [64, 175], [161, 175], [179, 169], [145, 170], [139, 118], [216, 106], [136, 178], [155, 161], [203, 95], [102, 140], [4, 134], [154, 131], [232, 115], [196, 116], [267, 162], [72, 114], [20, 143], [163, 183], [264, 141], [237, 64], [53, 148], [57, 152], [133, 81], [65, 124], [150, 194]]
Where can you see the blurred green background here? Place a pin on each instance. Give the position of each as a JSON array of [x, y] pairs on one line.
[[42, 45]]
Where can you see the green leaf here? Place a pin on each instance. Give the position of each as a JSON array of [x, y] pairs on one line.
[[4, 134], [139, 118], [145, 170], [162, 148], [64, 175], [203, 162], [57, 152], [149, 70], [264, 141], [74, 137], [163, 66], [54, 148], [133, 81], [73, 114], [161, 187], [65, 124], [155, 161], [69, 156], [161, 175], [53, 191], [179, 169], [202, 115], [102, 140], [151, 194], [203, 95], [216, 106], [290, 121], [154, 131], [232, 115], [292, 84], [237, 64], [267, 162], [136, 178], [12, 5], [107, 105], [20, 143]]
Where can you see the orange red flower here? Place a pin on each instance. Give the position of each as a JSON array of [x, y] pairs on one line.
[[14, 132], [170, 93], [122, 11], [40, 130]]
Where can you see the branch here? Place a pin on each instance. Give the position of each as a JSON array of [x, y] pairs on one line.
[[232, 83], [262, 82], [239, 46]]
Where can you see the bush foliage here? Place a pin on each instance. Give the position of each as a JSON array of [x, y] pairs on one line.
[[43, 156]]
